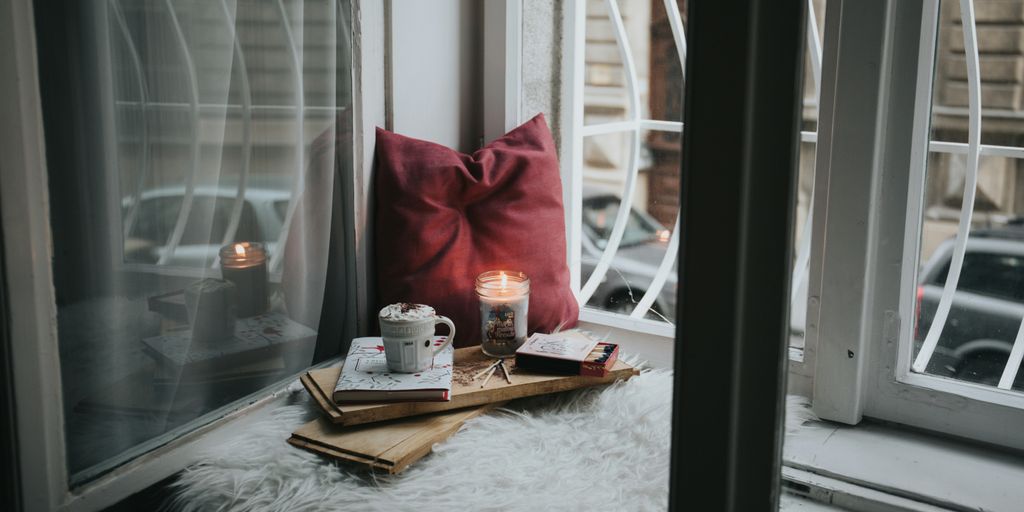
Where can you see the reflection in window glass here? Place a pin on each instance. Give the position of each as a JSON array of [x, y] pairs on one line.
[[175, 129], [599, 213]]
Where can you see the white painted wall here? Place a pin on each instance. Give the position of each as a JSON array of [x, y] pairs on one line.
[[437, 72]]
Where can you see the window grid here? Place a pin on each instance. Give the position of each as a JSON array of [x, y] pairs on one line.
[[635, 126], [973, 150]]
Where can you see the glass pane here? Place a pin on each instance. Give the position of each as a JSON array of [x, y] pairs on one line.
[[664, 70], [1000, 46], [605, 94], [189, 274], [805, 188], [986, 308], [608, 158], [634, 266], [988, 304]]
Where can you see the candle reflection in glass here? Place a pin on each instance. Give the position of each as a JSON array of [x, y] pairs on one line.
[[244, 264], [504, 305]]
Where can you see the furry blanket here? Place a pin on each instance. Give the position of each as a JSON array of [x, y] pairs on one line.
[[594, 449]]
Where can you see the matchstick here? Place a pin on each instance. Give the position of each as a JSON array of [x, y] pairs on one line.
[[485, 370], [504, 369], [494, 368]]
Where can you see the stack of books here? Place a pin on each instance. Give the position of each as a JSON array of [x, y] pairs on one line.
[[186, 377], [386, 421]]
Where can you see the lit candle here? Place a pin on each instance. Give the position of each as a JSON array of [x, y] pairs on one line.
[[504, 305], [245, 265]]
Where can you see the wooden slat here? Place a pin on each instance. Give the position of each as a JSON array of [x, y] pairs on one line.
[[390, 446]]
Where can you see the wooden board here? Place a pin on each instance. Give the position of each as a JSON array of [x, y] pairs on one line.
[[390, 446], [465, 391]]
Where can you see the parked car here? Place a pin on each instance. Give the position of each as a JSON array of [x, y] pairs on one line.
[[987, 307], [634, 266], [262, 218]]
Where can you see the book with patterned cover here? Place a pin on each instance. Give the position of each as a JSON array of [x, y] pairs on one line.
[[365, 377], [258, 336], [568, 345]]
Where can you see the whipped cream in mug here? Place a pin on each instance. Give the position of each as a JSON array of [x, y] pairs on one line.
[[406, 312]]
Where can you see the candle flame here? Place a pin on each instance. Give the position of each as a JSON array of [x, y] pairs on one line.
[[240, 249], [504, 280]]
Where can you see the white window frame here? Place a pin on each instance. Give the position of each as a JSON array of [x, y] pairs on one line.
[[863, 276], [28, 255]]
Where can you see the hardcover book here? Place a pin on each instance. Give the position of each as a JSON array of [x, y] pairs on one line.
[[365, 377]]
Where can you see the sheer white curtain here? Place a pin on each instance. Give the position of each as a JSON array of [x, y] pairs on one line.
[[210, 123]]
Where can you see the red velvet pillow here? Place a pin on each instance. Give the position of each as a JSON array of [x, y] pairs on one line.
[[444, 217]]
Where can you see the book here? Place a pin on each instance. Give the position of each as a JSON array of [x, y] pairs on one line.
[[255, 339], [169, 305], [365, 376], [569, 353], [265, 370]]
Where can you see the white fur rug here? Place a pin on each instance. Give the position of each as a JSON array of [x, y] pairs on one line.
[[596, 449]]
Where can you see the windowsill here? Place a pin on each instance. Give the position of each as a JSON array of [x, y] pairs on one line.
[[164, 461], [623, 322], [895, 468], [654, 350]]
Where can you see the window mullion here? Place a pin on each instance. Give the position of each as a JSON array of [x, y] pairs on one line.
[[844, 208]]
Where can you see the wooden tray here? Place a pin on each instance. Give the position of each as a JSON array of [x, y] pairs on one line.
[[390, 446], [465, 392]]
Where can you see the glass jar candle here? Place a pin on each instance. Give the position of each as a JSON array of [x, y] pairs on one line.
[[245, 265], [504, 304]]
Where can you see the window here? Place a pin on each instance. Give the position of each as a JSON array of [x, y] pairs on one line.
[[627, 132], [964, 187], [627, 129], [175, 129], [914, 309]]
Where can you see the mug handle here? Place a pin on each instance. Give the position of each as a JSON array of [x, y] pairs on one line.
[[451, 335]]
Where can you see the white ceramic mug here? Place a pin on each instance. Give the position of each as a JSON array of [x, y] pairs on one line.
[[408, 333]]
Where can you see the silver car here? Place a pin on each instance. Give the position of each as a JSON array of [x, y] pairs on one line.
[[262, 218], [634, 266], [987, 307]]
